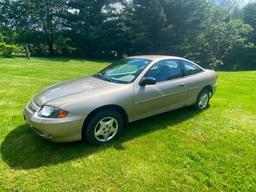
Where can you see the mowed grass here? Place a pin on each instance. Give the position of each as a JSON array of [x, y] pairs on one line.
[[183, 150]]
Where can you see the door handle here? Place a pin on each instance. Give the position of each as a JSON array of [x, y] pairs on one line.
[[182, 85]]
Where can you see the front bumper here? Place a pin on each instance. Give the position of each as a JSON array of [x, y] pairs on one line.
[[67, 129]]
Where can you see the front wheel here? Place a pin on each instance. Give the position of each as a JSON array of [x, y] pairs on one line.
[[203, 99], [104, 127]]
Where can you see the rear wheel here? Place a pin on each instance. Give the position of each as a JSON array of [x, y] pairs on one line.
[[203, 99], [104, 127]]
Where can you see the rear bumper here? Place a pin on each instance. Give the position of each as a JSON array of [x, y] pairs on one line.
[[68, 129]]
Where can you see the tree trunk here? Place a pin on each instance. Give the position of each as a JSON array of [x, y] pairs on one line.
[[50, 46], [27, 51]]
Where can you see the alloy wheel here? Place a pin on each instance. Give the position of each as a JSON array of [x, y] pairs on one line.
[[106, 129], [203, 101]]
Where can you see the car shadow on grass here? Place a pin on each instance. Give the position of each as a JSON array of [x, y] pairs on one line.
[[23, 149]]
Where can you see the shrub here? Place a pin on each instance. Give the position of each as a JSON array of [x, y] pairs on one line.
[[8, 50], [1, 38]]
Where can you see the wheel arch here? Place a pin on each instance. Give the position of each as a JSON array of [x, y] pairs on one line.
[[117, 108], [209, 88]]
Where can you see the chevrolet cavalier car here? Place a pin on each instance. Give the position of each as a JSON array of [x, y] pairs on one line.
[[97, 108]]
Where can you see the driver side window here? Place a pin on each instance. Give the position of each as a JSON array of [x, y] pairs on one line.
[[165, 70]]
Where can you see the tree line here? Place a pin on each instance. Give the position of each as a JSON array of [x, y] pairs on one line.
[[215, 35]]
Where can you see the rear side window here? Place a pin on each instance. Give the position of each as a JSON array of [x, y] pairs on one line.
[[165, 70], [190, 68]]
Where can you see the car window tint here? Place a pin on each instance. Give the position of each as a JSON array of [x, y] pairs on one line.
[[165, 70], [190, 68]]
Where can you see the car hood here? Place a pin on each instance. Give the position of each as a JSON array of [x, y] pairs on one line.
[[71, 87]]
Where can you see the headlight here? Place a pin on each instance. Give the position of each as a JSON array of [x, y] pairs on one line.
[[52, 112]]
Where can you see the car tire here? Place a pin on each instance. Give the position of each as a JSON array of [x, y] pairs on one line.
[[104, 127], [203, 99]]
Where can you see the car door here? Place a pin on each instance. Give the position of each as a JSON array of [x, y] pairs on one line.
[[193, 80], [168, 93]]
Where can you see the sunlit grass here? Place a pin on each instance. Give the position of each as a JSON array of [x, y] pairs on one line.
[[177, 151]]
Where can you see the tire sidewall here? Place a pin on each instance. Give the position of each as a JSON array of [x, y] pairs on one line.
[[198, 99], [89, 132]]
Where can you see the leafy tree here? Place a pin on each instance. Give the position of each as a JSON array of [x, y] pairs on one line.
[[1, 38], [249, 17], [220, 41], [30, 18], [7, 50], [248, 14], [49, 18], [214, 33], [149, 27], [86, 19], [115, 32], [188, 18]]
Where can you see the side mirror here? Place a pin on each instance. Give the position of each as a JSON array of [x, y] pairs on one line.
[[147, 81]]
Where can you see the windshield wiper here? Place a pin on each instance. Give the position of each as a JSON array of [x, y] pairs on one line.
[[99, 75]]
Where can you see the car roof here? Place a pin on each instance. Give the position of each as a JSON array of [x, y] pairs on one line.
[[155, 57]]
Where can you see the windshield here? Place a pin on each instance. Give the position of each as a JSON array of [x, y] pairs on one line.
[[123, 71]]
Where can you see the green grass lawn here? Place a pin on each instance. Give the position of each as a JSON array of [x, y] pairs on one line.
[[183, 150]]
